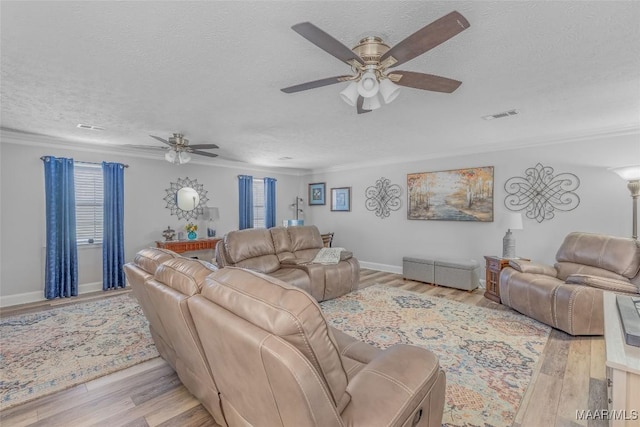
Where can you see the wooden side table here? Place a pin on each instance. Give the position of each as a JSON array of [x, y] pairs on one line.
[[181, 246], [494, 266]]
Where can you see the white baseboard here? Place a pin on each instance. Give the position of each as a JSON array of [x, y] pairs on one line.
[[381, 267], [28, 297]]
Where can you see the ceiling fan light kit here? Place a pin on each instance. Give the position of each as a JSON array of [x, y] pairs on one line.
[[178, 149], [350, 94], [371, 59]]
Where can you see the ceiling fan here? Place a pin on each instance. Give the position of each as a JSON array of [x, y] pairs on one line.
[[371, 59], [179, 151]]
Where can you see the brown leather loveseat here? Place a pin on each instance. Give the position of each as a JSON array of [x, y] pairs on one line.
[[286, 253], [568, 296], [258, 352]]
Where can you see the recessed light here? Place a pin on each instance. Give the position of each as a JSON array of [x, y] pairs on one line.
[[90, 127]]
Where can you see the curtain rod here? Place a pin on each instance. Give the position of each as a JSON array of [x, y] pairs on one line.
[[89, 163]]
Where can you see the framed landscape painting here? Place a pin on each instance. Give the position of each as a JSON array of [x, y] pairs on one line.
[[453, 195], [341, 199], [317, 194]]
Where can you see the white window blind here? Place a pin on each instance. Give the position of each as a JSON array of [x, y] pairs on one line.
[[258, 203], [89, 203]]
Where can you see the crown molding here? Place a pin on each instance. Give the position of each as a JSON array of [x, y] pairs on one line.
[[11, 136], [616, 132]]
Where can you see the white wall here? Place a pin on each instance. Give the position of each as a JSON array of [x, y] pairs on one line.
[[605, 205], [23, 211]]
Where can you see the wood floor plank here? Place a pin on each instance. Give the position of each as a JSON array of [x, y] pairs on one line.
[[570, 372], [576, 380]]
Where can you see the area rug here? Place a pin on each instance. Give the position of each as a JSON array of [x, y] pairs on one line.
[[52, 350], [488, 355]]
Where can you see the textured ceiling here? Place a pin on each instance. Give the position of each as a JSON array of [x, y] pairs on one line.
[[213, 70]]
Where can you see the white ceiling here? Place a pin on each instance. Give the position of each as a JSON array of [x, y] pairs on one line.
[[213, 70]]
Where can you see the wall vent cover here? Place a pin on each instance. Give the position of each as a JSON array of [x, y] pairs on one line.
[[501, 115], [90, 127]]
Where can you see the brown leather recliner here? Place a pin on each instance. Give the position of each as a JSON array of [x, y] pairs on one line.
[[163, 297], [139, 271], [277, 363], [287, 253], [568, 296]]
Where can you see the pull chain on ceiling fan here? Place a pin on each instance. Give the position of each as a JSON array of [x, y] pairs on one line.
[[372, 58]]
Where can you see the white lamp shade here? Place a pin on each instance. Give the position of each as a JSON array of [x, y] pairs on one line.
[[213, 213], [629, 173], [170, 156], [350, 94], [512, 221], [389, 90], [371, 103], [368, 84], [183, 157]]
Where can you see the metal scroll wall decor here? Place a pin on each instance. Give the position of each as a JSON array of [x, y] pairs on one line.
[[186, 198], [540, 193], [383, 197]]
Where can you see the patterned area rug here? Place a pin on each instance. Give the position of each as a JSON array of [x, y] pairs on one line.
[[488, 355], [55, 349]]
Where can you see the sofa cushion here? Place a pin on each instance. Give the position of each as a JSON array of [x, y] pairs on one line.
[[285, 311], [617, 254], [305, 237], [566, 269], [253, 249], [150, 258], [185, 275], [607, 284]]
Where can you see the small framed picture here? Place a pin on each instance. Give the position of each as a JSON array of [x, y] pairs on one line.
[[341, 199], [317, 194]]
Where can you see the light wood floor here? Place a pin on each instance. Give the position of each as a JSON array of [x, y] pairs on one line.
[[570, 376]]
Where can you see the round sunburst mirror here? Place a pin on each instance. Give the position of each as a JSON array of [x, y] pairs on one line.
[[186, 198]]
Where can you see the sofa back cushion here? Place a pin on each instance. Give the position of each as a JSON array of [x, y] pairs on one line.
[[286, 312], [305, 237], [282, 243], [185, 275], [251, 248], [616, 254]]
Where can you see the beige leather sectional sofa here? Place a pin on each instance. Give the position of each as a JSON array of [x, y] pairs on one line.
[[257, 351], [286, 254], [568, 296]]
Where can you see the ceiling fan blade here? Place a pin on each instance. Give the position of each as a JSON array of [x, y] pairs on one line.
[[424, 81], [164, 141], [204, 153], [200, 146], [425, 39], [316, 84], [359, 106], [145, 147], [326, 42]]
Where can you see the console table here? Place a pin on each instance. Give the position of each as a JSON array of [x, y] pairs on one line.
[[181, 246], [623, 368]]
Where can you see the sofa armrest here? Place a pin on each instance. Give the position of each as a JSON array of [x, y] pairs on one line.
[[400, 384], [604, 283], [524, 266]]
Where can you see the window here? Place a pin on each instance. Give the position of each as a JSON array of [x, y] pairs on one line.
[[89, 203], [258, 203]]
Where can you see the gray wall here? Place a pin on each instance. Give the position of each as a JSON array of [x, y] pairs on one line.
[[605, 205], [23, 211]]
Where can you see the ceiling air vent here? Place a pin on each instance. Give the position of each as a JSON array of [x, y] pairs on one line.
[[90, 127], [501, 115]]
